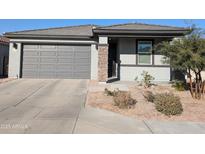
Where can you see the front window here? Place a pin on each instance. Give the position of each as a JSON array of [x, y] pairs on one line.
[[144, 52]]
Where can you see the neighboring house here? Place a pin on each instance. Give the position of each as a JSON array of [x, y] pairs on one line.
[[4, 56], [91, 52]]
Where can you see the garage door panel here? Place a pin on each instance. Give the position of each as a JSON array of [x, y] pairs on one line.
[[31, 71], [48, 53], [81, 68], [31, 74], [47, 74], [65, 53], [56, 61], [82, 48], [31, 47], [64, 72], [47, 67], [48, 60], [47, 46], [64, 75], [65, 56], [82, 61], [31, 60], [82, 55], [79, 59], [31, 53], [31, 67], [64, 67], [65, 60], [65, 47], [81, 75]]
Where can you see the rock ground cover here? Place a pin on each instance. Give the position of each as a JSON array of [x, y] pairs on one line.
[[194, 110]]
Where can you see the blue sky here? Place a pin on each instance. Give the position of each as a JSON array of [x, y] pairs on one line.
[[9, 25]]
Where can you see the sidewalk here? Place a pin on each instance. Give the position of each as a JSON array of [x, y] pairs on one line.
[[98, 121]]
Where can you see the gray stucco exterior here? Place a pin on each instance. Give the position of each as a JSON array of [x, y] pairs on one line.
[[129, 70], [94, 62], [14, 60], [129, 67]]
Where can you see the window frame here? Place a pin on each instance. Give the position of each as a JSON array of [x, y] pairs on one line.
[[138, 53]]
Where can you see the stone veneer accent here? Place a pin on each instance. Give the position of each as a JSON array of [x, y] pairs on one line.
[[102, 62]]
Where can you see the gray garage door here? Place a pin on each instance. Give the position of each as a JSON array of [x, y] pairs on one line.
[[56, 61]]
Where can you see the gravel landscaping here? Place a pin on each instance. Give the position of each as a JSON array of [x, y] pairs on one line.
[[193, 110]]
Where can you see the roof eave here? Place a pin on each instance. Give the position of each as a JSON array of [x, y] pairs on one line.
[[144, 32], [46, 36]]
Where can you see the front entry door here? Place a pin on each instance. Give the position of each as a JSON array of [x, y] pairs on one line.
[[112, 60]]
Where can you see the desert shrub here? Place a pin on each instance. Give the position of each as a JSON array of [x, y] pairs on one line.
[[147, 79], [136, 78], [179, 85], [149, 96], [123, 100], [111, 93], [168, 104]]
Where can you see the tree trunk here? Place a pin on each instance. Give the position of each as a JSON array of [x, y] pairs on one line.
[[203, 88], [196, 86], [199, 89], [190, 83]]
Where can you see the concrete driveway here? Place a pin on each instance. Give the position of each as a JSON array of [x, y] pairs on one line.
[[57, 106], [41, 106]]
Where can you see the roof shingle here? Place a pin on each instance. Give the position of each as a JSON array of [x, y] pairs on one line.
[[88, 30], [83, 30], [140, 26]]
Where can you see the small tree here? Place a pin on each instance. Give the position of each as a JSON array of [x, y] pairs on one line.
[[147, 79], [187, 54]]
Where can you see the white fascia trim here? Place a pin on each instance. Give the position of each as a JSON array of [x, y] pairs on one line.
[[53, 41]]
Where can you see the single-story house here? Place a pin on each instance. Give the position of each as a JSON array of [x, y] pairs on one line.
[[4, 56], [93, 52]]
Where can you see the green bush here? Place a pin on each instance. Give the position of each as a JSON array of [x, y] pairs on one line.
[[123, 100], [179, 85], [147, 79], [168, 104], [149, 96], [111, 93]]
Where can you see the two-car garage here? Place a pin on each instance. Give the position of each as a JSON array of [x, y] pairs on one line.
[[56, 61], [57, 53]]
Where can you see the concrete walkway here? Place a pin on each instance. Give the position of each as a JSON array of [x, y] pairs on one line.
[[57, 106], [92, 120]]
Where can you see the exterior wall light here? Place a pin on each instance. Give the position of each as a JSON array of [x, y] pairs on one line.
[[15, 46]]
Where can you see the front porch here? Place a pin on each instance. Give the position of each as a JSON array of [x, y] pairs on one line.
[[125, 58]]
